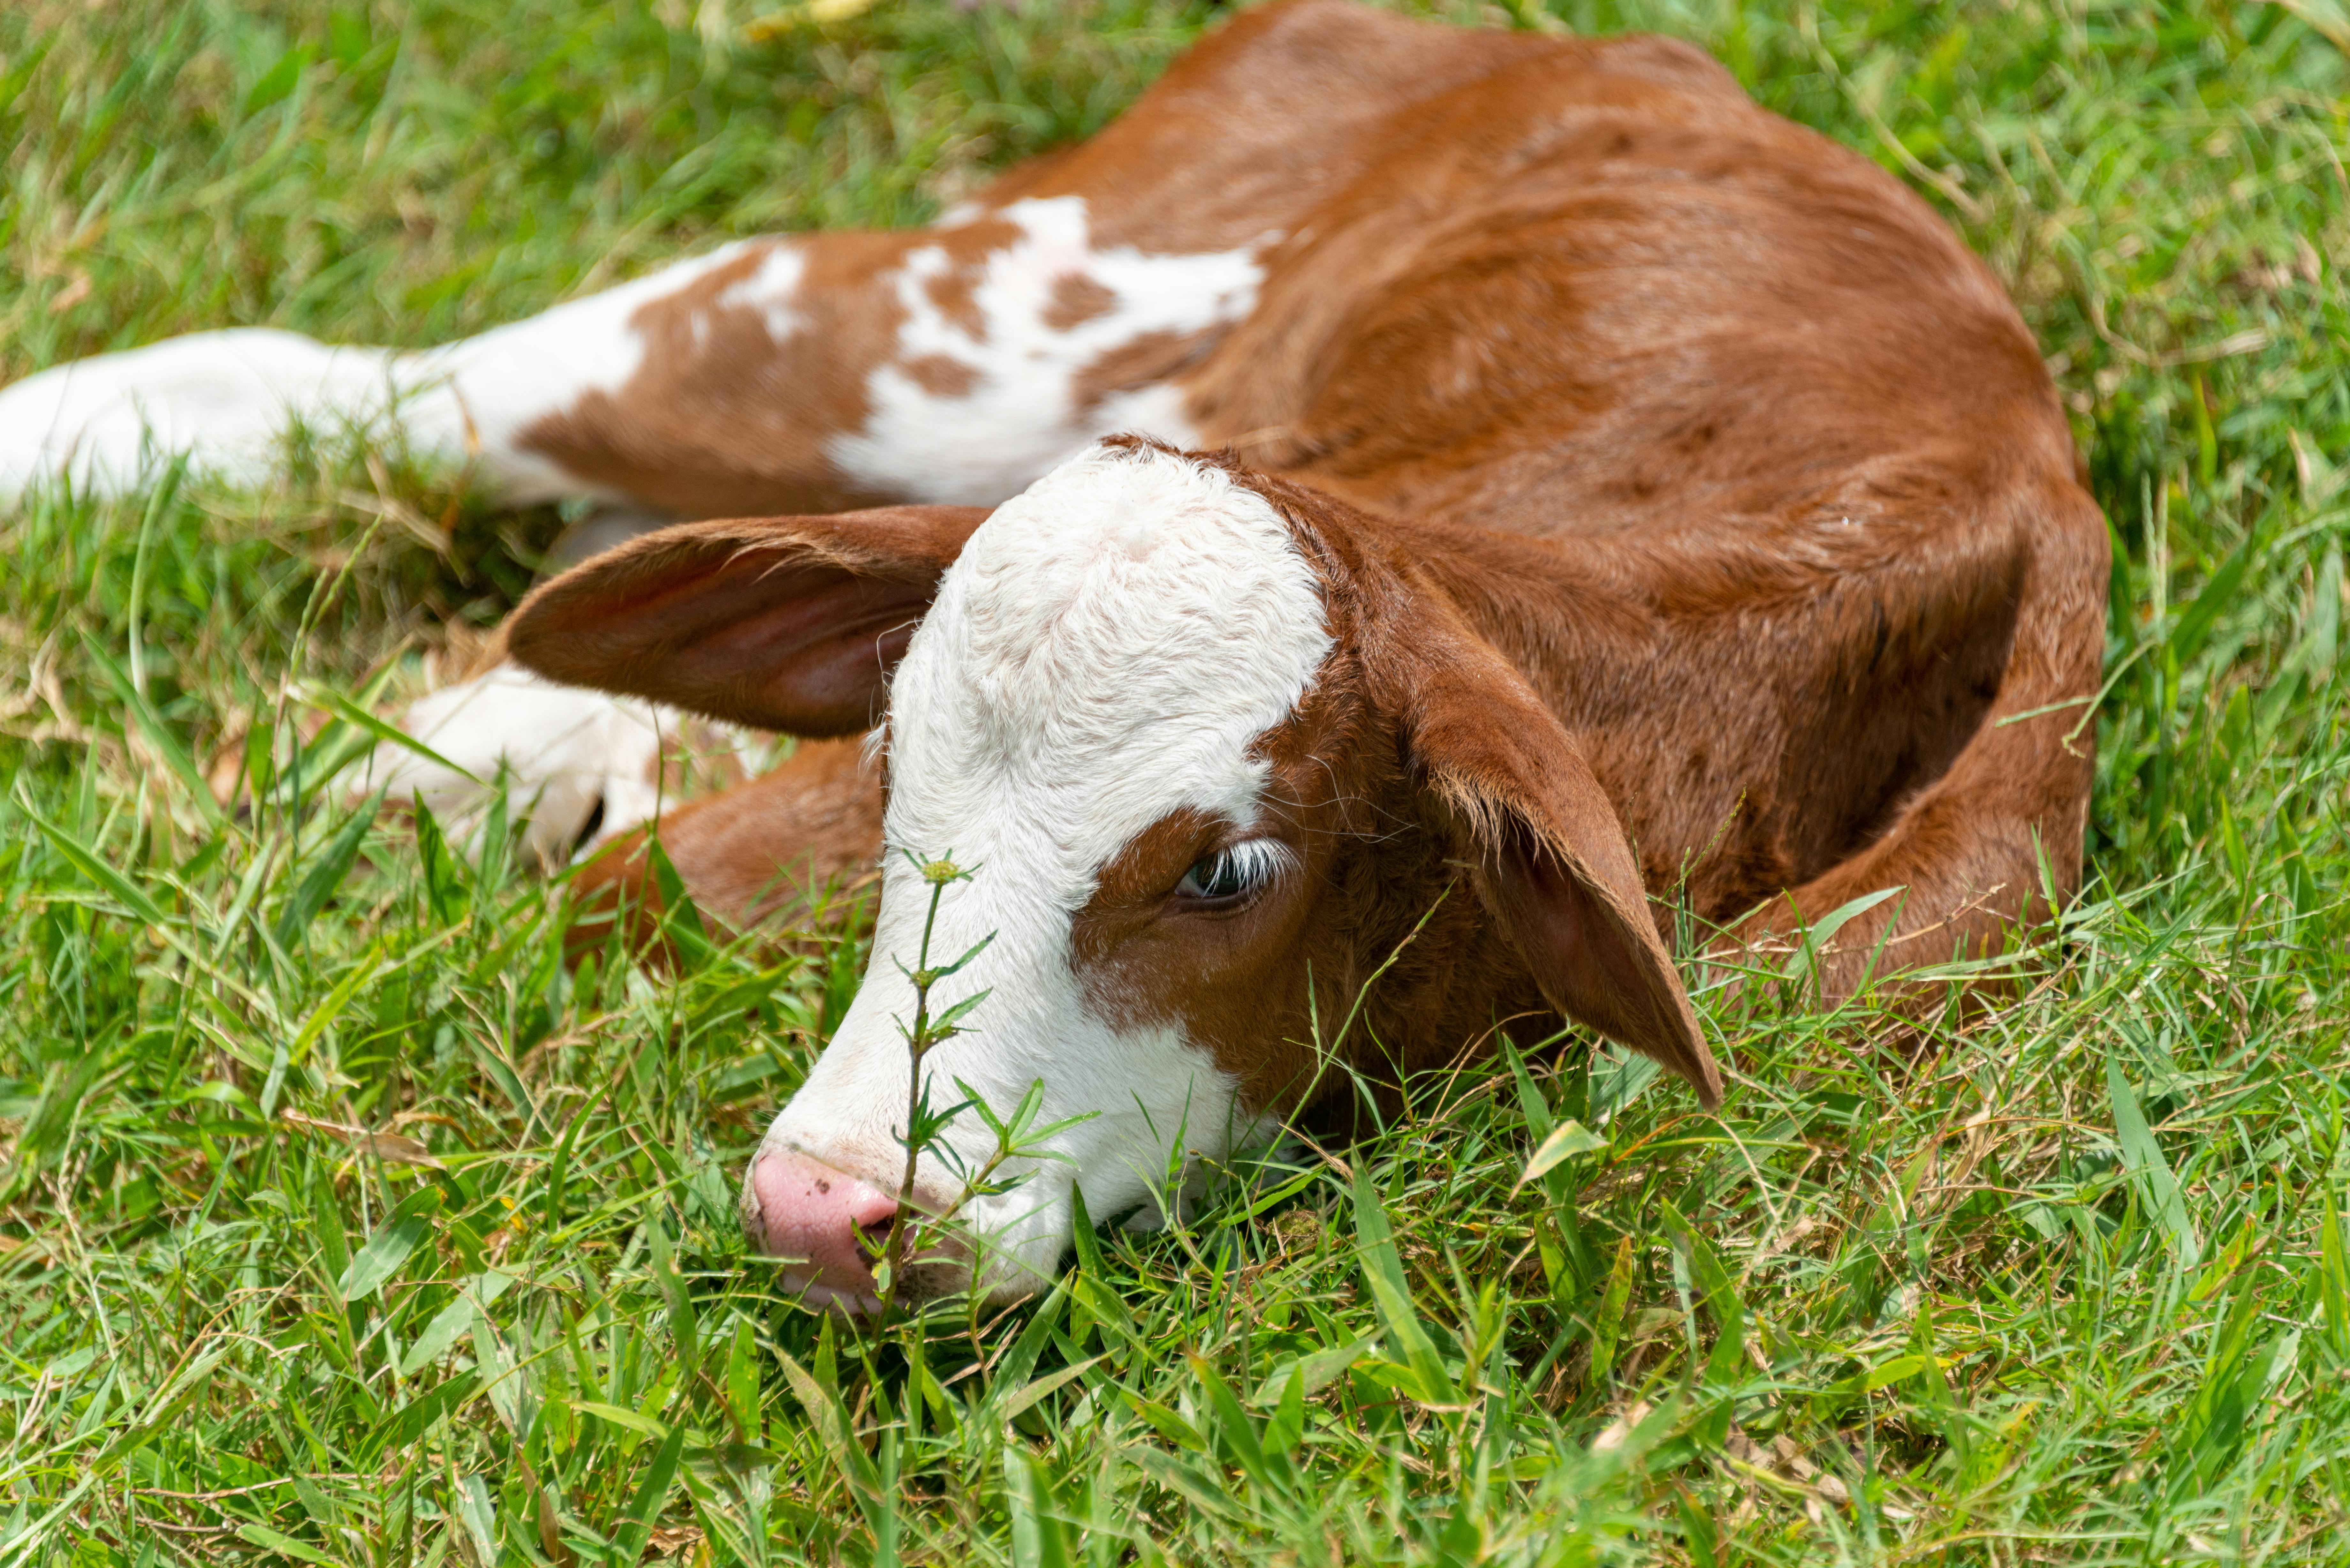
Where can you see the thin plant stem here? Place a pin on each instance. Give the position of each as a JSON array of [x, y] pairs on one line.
[[939, 874]]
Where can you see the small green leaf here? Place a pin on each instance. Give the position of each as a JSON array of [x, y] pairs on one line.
[[319, 883], [159, 735], [1717, 1291], [1039, 1538], [389, 1248], [976, 948], [1286, 1427], [1383, 1272], [443, 877], [1566, 1141], [742, 1379], [680, 918], [1012, 1372], [505, 1377], [279, 82], [347, 37], [1318, 1370], [683, 1322], [480, 1516], [406, 1425], [334, 1243], [127, 893], [268, 1539], [63, 1088], [2334, 1276], [817, 1397], [1237, 1430], [451, 1322], [627, 1420], [944, 1023], [1613, 1303], [1822, 931], [1040, 1386], [2187, 637], [2143, 1158]]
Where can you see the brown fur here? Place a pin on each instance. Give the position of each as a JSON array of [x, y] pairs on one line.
[[1692, 508], [694, 616]]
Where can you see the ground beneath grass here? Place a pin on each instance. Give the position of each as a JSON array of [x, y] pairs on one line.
[[339, 1225]]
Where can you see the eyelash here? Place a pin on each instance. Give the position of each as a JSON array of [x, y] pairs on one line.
[[1235, 872]]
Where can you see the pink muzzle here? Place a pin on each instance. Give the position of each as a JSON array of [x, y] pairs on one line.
[[825, 1224]]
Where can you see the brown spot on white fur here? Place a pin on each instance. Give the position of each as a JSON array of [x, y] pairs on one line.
[[1145, 361], [942, 376], [1076, 300]]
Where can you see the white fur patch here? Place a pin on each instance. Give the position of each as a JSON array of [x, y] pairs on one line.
[[562, 751], [1102, 654], [1020, 415]]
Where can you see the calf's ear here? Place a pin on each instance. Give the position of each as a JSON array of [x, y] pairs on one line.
[[1554, 867], [790, 624]]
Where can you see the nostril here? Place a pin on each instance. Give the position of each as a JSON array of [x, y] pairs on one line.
[[831, 1224]]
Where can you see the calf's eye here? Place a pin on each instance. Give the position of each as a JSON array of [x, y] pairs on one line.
[[1236, 872]]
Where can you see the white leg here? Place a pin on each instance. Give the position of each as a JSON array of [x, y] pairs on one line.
[[226, 399], [955, 364], [579, 766]]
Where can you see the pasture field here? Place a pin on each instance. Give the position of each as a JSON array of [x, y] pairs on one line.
[[340, 1224]]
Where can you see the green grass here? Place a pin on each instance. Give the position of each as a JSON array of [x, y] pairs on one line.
[[339, 1225]]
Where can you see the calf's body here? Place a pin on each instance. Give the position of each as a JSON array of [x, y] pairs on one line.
[[1619, 493], [1685, 511]]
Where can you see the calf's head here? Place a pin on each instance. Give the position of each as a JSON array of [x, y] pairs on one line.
[[1214, 756]]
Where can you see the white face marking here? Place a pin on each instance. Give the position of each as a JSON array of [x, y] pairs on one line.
[[1103, 654], [227, 398], [1020, 415]]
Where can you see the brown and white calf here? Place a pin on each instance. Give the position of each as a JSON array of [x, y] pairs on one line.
[[1598, 491]]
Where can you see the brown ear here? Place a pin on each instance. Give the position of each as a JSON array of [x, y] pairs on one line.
[[781, 623], [1555, 868]]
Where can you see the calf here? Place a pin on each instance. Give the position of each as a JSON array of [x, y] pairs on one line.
[[1623, 492], [1599, 490]]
